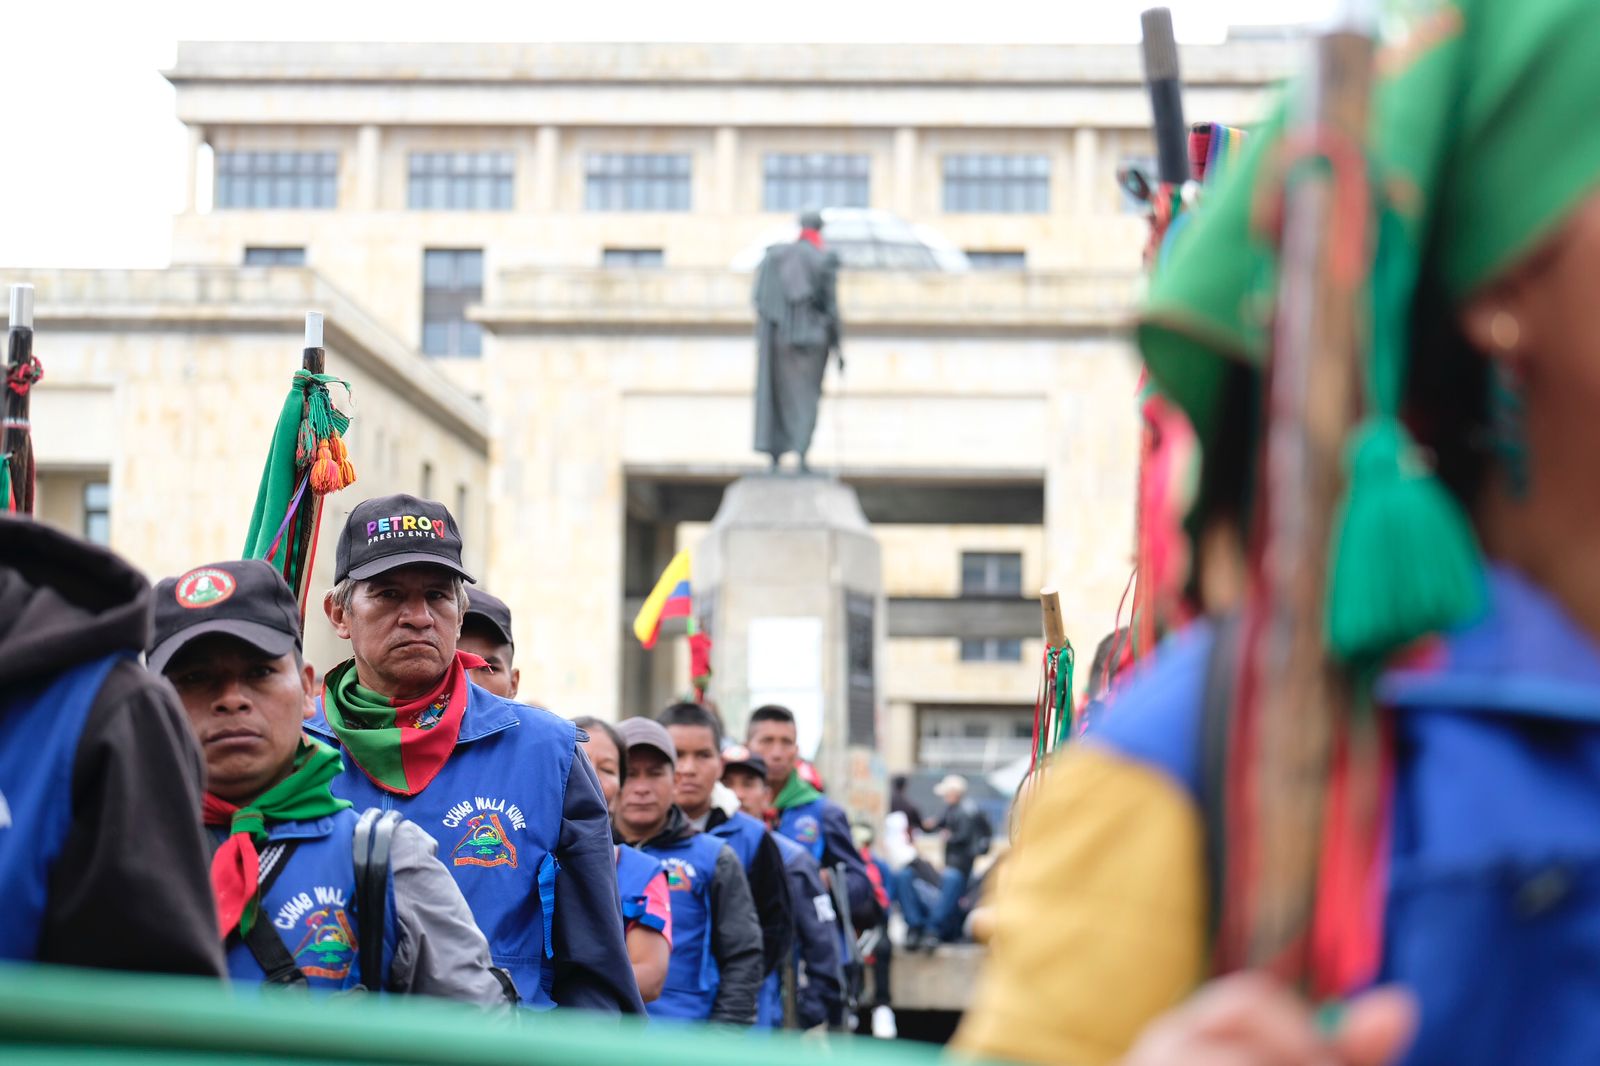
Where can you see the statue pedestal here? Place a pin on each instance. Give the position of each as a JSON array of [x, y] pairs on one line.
[[791, 582]]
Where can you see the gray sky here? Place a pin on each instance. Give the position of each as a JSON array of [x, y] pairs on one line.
[[93, 167]]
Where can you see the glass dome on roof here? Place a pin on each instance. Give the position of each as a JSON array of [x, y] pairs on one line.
[[867, 238]]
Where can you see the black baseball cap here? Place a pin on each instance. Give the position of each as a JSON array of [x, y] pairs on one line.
[[491, 609], [243, 598], [389, 532], [739, 757]]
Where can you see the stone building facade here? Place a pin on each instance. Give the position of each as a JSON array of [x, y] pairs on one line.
[[538, 246]]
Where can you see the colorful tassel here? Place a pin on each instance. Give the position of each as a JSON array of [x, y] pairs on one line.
[[325, 472], [341, 455], [1405, 562]]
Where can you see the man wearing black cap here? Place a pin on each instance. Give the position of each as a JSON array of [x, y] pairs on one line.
[[292, 907], [486, 633], [714, 973], [819, 988], [102, 857], [504, 788]]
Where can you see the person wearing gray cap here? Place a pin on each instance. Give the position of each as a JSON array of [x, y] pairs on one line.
[[486, 633], [504, 788], [716, 966], [227, 636]]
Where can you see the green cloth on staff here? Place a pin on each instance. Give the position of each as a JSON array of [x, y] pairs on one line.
[[1481, 142]]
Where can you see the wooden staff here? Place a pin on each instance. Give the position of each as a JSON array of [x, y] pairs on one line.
[[22, 370], [1294, 704], [1055, 629]]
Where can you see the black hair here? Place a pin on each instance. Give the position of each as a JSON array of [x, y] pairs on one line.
[[1105, 661], [589, 723], [692, 714], [898, 782], [1447, 398], [771, 713]]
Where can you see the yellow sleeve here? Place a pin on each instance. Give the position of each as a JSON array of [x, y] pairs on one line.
[[1099, 916]]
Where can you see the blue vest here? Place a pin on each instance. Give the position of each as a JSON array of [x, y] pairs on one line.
[[312, 905], [40, 726], [635, 871], [495, 810], [692, 978], [1492, 912], [803, 825], [743, 834]]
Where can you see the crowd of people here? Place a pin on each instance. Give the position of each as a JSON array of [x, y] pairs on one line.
[[403, 824]]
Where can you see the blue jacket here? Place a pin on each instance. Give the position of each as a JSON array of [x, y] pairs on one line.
[[39, 731], [312, 906], [819, 996], [822, 827], [1493, 903], [635, 871], [545, 895]]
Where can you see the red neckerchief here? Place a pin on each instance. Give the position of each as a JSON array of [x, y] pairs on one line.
[[812, 237]]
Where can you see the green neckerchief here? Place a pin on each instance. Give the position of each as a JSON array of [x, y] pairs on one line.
[[301, 797], [796, 793], [400, 745]]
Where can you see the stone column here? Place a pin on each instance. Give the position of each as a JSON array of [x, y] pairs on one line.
[[196, 135], [725, 154], [904, 202], [789, 584], [369, 144], [543, 184], [1085, 170]]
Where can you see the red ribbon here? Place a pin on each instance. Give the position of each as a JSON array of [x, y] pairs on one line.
[[235, 868]]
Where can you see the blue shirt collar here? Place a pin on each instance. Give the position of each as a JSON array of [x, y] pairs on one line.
[[1525, 656]]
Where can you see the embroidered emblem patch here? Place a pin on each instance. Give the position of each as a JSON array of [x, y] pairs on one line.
[[205, 587], [328, 948], [806, 829], [485, 844], [680, 875], [429, 716]]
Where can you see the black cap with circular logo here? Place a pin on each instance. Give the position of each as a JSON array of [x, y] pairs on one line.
[[242, 598], [491, 610], [389, 532]]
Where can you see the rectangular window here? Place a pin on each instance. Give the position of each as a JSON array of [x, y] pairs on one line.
[[427, 481], [616, 181], [972, 739], [97, 512], [991, 574], [274, 257], [277, 180], [795, 181], [452, 281], [997, 184], [998, 260], [632, 258], [460, 181]]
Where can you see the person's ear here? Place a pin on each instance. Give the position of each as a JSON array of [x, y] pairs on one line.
[[516, 681], [337, 615], [308, 685]]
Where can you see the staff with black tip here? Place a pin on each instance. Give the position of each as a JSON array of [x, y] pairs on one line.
[[22, 373]]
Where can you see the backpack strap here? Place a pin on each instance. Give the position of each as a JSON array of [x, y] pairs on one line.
[[371, 846], [1218, 699], [265, 943]]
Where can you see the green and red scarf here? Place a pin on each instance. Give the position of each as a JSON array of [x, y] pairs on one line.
[[236, 867], [400, 745]]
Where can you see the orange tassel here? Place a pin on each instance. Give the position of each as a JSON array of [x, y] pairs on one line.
[[341, 455], [325, 476]]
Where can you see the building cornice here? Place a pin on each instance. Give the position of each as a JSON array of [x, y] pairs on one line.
[[251, 299]]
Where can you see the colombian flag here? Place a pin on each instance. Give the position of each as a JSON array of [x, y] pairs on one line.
[[669, 599]]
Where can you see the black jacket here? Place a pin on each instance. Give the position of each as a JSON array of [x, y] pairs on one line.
[[735, 931], [137, 895], [769, 887], [969, 835]]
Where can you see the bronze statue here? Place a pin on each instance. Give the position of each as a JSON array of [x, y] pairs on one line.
[[797, 326]]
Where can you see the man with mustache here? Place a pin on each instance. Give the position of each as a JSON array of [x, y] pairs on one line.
[[503, 787], [291, 908]]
